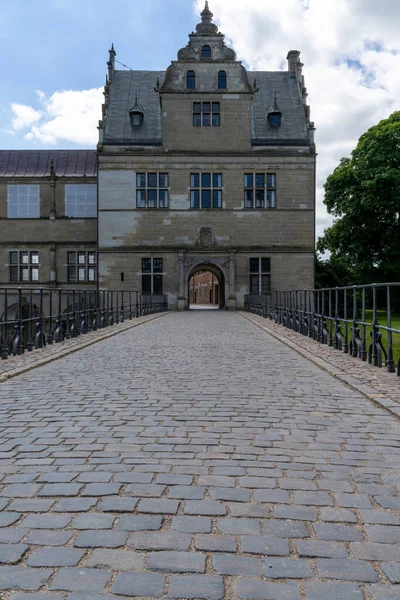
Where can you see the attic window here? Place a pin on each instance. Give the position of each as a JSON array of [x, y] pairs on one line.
[[206, 51], [136, 119], [191, 80], [274, 120]]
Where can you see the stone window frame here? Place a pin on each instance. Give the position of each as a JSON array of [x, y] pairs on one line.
[[222, 80], [200, 189], [152, 275], [260, 275], [24, 266], [81, 266], [23, 201], [152, 190], [191, 80], [80, 200], [259, 191], [206, 114]]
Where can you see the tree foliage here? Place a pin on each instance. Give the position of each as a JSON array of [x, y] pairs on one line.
[[363, 194]]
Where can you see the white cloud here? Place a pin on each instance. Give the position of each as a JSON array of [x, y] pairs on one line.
[[351, 53], [24, 116], [70, 116]]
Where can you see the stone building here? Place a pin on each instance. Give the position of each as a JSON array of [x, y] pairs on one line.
[[206, 166], [48, 218], [204, 289], [203, 167]]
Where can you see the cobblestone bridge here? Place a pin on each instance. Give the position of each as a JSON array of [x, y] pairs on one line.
[[195, 457]]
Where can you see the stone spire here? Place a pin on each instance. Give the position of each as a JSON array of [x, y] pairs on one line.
[[206, 27], [111, 63]]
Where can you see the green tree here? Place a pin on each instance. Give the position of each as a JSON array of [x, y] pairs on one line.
[[332, 273], [363, 194]]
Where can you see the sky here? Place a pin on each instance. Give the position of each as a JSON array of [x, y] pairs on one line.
[[55, 51]]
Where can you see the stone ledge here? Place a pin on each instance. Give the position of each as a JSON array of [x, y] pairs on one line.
[[379, 387], [16, 365]]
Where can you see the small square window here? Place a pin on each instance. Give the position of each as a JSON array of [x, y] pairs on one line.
[[248, 180], [91, 258], [195, 180], [260, 180], [25, 257], [206, 120], [152, 198], [82, 258], [163, 180], [152, 180], [14, 258], [157, 265], [206, 180], [140, 180], [206, 198]]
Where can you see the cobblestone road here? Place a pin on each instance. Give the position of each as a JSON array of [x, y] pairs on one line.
[[195, 457]]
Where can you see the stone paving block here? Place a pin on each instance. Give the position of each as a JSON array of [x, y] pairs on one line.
[[22, 578], [43, 537], [139, 584], [201, 587], [384, 534], [116, 560], [206, 507], [317, 590], [191, 524], [337, 515], [272, 496], [384, 592], [142, 490], [31, 505], [337, 533], [116, 504], [380, 517], [173, 479], [285, 529], [387, 502], [286, 568], [10, 535], [177, 562], [238, 526], [159, 541], [373, 551], [101, 539], [140, 523], [8, 518], [60, 489], [101, 489], [75, 505], [55, 557], [347, 570], [186, 492], [268, 545], [11, 554], [56, 477], [229, 564], [392, 571], [39, 596], [164, 507], [215, 543], [257, 483], [80, 580], [20, 490], [296, 513], [257, 589], [316, 549], [353, 501], [93, 521], [46, 521], [313, 498]]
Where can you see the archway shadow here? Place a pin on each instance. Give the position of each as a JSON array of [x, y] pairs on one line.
[[215, 286]]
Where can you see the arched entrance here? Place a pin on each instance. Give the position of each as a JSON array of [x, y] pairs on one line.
[[206, 287]]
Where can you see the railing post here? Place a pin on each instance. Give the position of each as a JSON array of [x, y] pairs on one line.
[[390, 362], [40, 340], [18, 345], [346, 325], [50, 336], [4, 345]]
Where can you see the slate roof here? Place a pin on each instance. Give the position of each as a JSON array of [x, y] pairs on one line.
[[126, 84], [36, 163]]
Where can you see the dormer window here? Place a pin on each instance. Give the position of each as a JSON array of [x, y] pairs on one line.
[[206, 51], [190, 80], [274, 115], [222, 80], [136, 114]]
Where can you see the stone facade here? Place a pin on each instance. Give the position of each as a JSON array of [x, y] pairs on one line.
[[37, 220], [206, 115], [204, 166]]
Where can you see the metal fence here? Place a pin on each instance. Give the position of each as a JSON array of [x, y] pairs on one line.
[[357, 320], [33, 318]]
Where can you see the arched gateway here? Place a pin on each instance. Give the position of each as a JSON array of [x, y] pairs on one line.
[[222, 267], [219, 289]]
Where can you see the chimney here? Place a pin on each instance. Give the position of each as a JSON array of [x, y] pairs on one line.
[[293, 59]]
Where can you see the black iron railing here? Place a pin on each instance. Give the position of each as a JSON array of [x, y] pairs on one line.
[[32, 318], [357, 320]]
